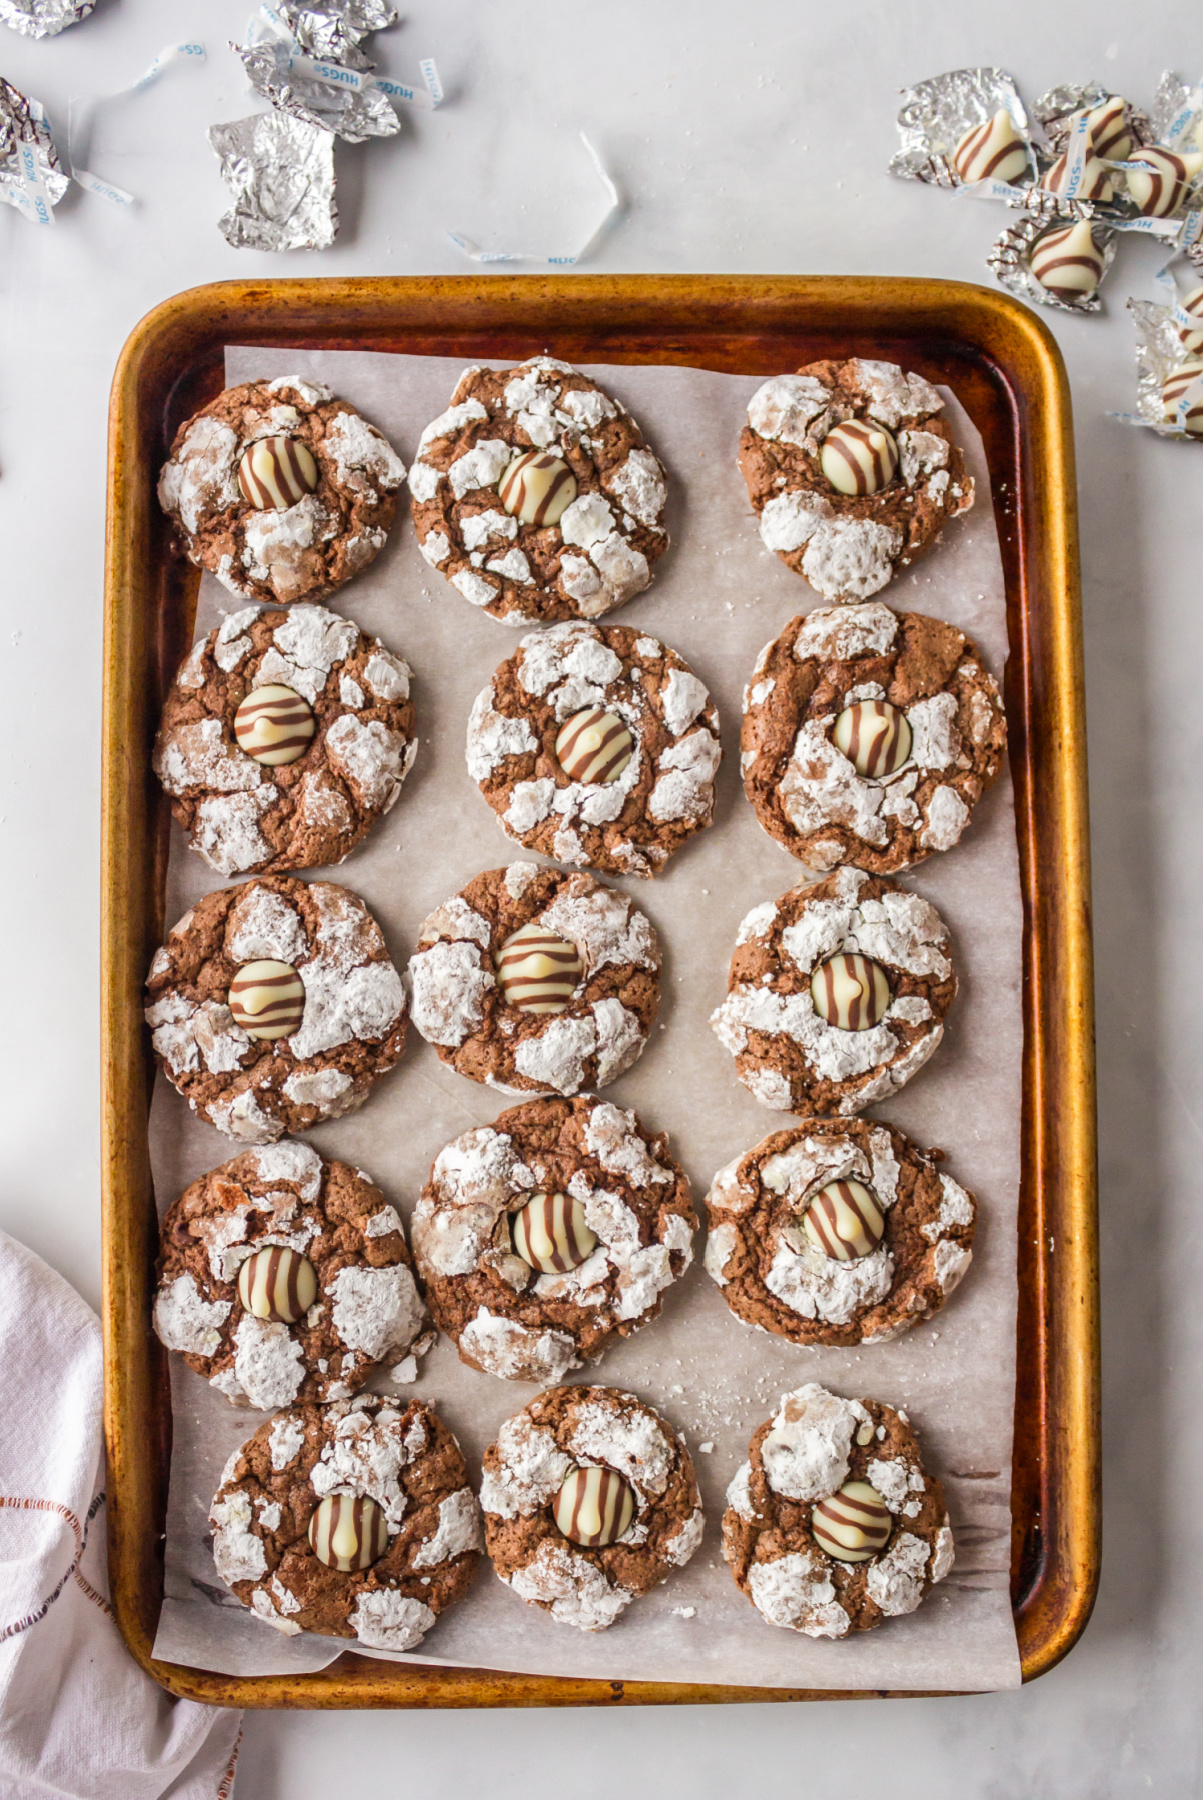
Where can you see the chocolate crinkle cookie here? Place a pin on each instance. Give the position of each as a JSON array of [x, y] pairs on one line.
[[532, 979], [280, 490], [546, 1235], [590, 1501], [869, 736], [536, 496], [833, 1524], [284, 737], [598, 746], [285, 1277], [851, 473], [274, 1005], [353, 1520], [838, 1232], [837, 994]]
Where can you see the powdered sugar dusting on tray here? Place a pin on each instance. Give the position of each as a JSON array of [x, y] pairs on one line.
[[719, 595]]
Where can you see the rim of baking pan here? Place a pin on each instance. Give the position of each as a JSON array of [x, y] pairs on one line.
[[722, 322]]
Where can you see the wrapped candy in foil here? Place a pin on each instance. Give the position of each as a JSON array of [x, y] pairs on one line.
[[333, 31], [1159, 351], [280, 171], [353, 113], [936, 114], [43, 18], [1011, 256], [31, 177], [1055, 110]]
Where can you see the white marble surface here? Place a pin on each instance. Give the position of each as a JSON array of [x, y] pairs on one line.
[[744, 139]]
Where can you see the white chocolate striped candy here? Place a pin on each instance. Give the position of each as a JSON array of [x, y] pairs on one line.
[[852, 1525], [1176, 383], [551, 1235], [850, 991], [537, 971], [274, 725], [1192, 306], [1067, 261], [277, 1283], [874, 736], [277, 472], [537, 488], [858, 458], [593, 1507], [267, 999], [1110, 133], [845, 1221], [348, 1531], [1158, 186], [1095, 183], [993, 150], [593, 746]]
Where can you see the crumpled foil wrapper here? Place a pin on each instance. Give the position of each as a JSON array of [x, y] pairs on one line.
[[1159, 350], [355, 116], [20, 125], [1010, 255], [936, 114], [43, 18], [333, 31], [1055, 109], [280, 171]]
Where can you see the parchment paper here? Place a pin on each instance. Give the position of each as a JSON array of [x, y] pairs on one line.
[[718, 596]]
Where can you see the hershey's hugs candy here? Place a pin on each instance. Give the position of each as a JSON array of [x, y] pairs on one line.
[[858, 458], [1158, 186], [537, 971], [994, 150], [1067, 261], [348, 1532], [593, 746], [1095, 183], [267, 999], [874, 736], [277, 1283], [538, 488], [274, 725], [850, 991], [1192, 305], [844, 1220], [852, 1525], [277, 472], [550, 1233], [593, 1507], [1175, 385], [1110, 133]]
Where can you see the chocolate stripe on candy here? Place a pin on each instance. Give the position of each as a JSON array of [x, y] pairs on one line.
[[277, 472], [551, 1235], [858, 459], [1192, 305], [1110, 133], [594, 746], [274, 725], [538, 971], [1159, 185], [852, 1525], [994, 149], [1067, 261], [844, 1220], [874, 736], [277, 1283], [348, 1532], [1095, 185], [593, 1507], [850, 991], [267, 999], [1177, 383], [537, 488]]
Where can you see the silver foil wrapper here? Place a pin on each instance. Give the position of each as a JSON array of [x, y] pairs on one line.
[[30, 172], [43, 18], [280, 171], [936, 114], [355, 115], [1159, 351], [334, 31], [1010, 257]]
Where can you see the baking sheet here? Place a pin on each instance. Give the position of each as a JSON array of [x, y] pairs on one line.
[[718, 597]]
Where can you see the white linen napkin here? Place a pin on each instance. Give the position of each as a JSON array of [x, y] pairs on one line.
[[77, 1715]]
